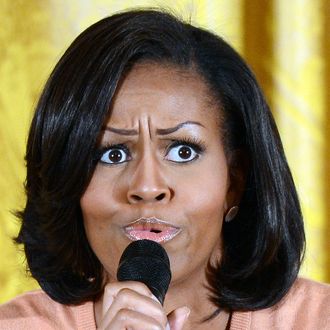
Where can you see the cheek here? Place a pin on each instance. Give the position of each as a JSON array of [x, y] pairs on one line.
[[206, 192], [205, 217], [202, 204], [98, 198], [205, 197], [99, 231], [92, 211], [94, 206]]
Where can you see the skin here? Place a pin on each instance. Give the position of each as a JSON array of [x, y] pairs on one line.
[[154, 182]]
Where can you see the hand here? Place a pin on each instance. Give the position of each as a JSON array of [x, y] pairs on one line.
[[131, 305]]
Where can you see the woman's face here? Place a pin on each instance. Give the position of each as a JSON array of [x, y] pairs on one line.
[[162, 173]]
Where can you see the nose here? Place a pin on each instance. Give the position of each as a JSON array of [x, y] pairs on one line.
[[147, 185]]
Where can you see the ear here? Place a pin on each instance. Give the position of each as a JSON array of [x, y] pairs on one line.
[[238, 164]]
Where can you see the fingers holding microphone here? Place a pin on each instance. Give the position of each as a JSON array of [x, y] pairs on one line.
[[135, 302], [131, 305]]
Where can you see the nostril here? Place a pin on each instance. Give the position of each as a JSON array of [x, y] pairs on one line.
[[137, 198], [160, 196], [147, 197]]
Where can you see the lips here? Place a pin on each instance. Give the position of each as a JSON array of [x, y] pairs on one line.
[[151, 228]]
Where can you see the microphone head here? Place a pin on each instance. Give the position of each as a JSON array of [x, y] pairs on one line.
[[146, 261]]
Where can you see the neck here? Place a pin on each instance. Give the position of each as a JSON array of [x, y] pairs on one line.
[[194, 294]]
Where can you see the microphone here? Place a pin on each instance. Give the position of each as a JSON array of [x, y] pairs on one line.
[[146, 261]]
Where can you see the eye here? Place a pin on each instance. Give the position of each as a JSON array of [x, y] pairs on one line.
[[182, 152], [115, 155]]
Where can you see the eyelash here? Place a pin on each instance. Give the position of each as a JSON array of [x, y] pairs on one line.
[[197, 145], [194, 143], [101, 150]]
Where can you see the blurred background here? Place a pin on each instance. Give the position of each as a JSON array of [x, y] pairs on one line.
[[287, 43]]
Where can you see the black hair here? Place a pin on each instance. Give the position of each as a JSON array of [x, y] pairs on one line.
[[262, 247]]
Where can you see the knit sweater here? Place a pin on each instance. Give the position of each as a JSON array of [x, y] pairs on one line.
[[306, 306]]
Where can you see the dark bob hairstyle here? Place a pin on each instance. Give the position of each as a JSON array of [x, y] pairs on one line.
[[263, 245]]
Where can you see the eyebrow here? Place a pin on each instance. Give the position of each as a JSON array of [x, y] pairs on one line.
[[166, 131], [121, 131], [159, 131]]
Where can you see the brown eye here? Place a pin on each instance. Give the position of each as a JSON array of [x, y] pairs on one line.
[[115, 156], [181, 154], [185, 152]]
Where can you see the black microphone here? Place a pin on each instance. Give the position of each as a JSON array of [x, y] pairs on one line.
[[146, 261]]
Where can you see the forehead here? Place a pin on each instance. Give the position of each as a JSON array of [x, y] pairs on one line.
[[167, 92]]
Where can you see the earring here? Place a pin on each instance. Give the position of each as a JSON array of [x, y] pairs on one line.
[[231, 214]]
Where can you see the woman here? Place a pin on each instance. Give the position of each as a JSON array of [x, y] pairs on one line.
[[151, 128]]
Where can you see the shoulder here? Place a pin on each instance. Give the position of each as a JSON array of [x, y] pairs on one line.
[[306, 306], [35, 310]]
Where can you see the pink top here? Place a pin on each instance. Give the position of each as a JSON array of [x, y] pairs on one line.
[[306, 306]]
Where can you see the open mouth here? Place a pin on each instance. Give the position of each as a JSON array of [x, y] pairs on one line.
[[152, 229]]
